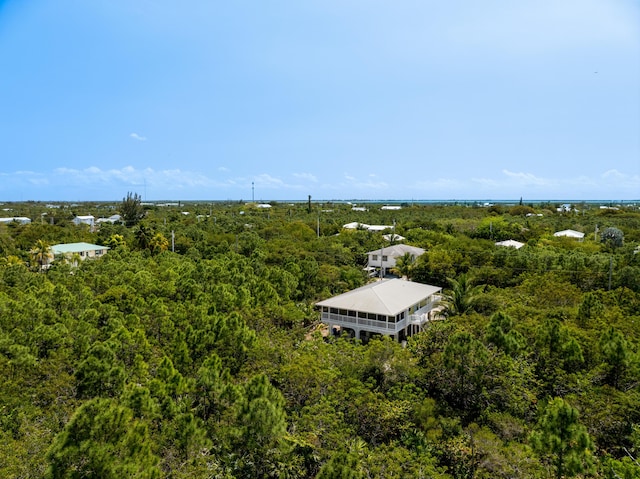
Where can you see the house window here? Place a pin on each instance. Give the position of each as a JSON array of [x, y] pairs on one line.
[[375, 257], [334, 310], [343, 312], [352, 314], [362, 315], [384, 258], [371, 316], [382, 317]]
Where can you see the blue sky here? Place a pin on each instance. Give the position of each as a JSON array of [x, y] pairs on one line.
[[349, 99]]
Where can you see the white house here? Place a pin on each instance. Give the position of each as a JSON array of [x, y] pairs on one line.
[[570, 234], [394, 307], [18, 219], [86, 220], [355, 225], [111, 219], [386, 257], [84, 250], [391, 207], [510, 244]]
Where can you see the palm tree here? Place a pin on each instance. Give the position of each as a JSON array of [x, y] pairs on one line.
[[461, 297], [41, 254], [73, 259], [143, 236], [404, 265], [158, 243]]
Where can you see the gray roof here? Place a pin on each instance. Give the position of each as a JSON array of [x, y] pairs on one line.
[[397, 250], [76, 248], [388, 297]]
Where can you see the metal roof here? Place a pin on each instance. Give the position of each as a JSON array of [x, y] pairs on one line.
[[398, 250], [388, 297], [76, 248], [510, 243]]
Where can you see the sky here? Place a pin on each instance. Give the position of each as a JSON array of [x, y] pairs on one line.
[[337, 99]]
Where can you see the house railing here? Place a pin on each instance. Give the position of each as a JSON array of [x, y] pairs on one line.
[[366, 324]]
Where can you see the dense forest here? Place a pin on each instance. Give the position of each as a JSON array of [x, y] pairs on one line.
[[192, 349]]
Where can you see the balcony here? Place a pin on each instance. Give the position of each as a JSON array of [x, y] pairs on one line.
[[371, 325]]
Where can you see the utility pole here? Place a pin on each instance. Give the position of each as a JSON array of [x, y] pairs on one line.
[[252, 193], [173, 241]]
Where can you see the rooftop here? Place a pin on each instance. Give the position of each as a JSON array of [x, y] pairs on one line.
[[387, 297]]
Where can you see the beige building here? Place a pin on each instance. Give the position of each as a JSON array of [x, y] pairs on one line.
[[393, 307]]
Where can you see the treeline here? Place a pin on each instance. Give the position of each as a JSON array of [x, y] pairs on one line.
[[192, 348]]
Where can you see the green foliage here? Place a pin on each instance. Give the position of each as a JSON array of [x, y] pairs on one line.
[[612, 237], [210, 362], [462, 296], [343, 465], [562, 440], [500, 332], [102, 440], [131, 209]]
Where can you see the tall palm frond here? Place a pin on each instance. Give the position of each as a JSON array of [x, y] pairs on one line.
[[462, 296], [41, 254]]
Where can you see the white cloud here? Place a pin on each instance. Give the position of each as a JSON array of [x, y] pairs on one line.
[[135, 136], [306, 176], [268, 181], [527, 178], [224, 169], [128, 176], [273, 183], [374, 189]]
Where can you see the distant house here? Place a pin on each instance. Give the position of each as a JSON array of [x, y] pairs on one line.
[[263, 205], [355, 225], [391, 207], [510, 244], [18, 219], [84, 250], [386, 257], [84, 220], [393, 237], [394, 307], [570, 234], [111, 219]]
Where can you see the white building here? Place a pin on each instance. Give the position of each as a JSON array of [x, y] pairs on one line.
[[84, 220], [18, 219], [392, 307], [386, 257], [510, 244], [355, 225], [84, 250], [111, 219], [570, 234]]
